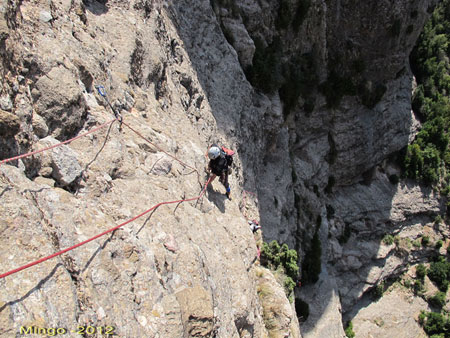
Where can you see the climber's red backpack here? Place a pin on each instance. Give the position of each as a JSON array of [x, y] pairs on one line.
[[228, 151]]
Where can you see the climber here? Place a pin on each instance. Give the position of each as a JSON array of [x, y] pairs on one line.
[[254, 225], [219, 165]]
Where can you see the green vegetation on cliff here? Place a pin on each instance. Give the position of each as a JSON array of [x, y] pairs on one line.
[[427, 158], [281, 258]]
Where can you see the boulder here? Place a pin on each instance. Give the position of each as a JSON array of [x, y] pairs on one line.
[[63, 161], [60, 102], [39, 126]]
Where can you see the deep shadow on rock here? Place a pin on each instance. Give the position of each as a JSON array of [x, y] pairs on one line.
[[302, 164], [97, 7], [216, 197]]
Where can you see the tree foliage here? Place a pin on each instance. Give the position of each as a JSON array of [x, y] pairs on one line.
[[439, 272], [435, 324], [276, 257], [427, 159]]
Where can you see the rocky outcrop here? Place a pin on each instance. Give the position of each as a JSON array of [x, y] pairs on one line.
[[61, 163], [279, 315], [395, 314]]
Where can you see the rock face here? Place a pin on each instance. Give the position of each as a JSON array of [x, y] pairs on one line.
[[60, 162], [396, 313], [313, 95], [182, 271]]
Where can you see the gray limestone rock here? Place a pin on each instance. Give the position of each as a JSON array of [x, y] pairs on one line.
[[60, 102], [6, 103], [45, 16], [395, 314], [63, 161], [39, 126]]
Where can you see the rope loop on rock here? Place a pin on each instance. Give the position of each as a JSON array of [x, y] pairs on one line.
[[56, 145], [102, 92], [41, 260]]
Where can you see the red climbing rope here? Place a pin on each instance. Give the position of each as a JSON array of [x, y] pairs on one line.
[[103, 233], [118, 226], [160, 149], [56, 145]]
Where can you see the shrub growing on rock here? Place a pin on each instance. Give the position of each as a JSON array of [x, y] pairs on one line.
[[421, 271], [388, 239], [428, 154], [379, 290], [438, 300], [349, 330], [281, 258], [439, 273], [435, 324]]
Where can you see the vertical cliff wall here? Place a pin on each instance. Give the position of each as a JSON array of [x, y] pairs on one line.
[[332, 84]]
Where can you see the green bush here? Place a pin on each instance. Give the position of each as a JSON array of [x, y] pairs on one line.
[[388, 239], [378, 291], [435, 324], [349, 330], [418, 287], [416, 243], [439, 273], [407, 283], [289, 285], [422, 317], [421, 271], [438, 300], [276, 257], [425, 240]]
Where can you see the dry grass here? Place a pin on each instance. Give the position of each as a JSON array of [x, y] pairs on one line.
[[271, 310], [259, 272], [264, 291]]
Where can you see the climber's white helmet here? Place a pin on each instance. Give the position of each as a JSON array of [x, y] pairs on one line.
[[213, 152]]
